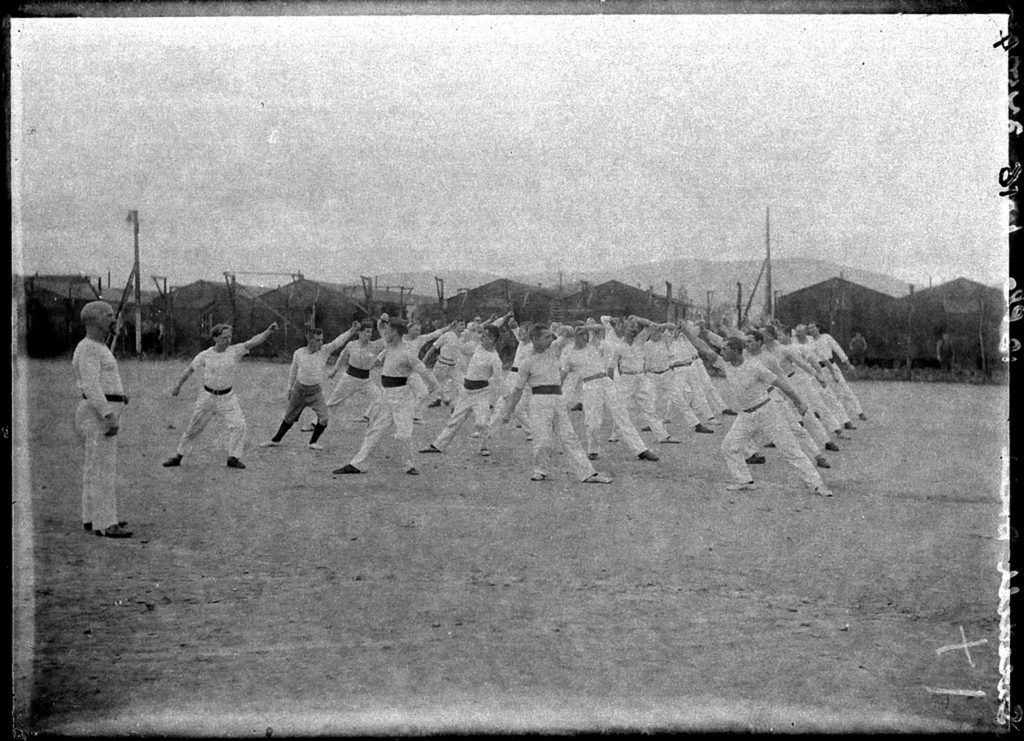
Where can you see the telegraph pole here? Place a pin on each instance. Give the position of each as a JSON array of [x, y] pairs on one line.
[[768, 257], [133, 217]]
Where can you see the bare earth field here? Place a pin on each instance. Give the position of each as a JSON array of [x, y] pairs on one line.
[[284, 599]]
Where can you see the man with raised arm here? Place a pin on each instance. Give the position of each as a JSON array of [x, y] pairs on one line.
[[305, 384], [397, 401], [217, 398]]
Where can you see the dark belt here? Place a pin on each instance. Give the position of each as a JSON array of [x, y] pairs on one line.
[[680, 364], [217, 392], [658, 372], [112, 397], [390, 382], [594, 377], [630, 373], [790, 374], [754, 408], [552, 389], [445, 362], [474, 385], [357, 372]]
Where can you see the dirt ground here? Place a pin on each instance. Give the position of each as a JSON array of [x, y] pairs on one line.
[[286, 600]]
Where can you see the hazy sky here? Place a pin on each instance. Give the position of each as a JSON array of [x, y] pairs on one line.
[[364, 145]]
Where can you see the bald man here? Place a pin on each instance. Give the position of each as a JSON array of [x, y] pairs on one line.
[[98, 420]]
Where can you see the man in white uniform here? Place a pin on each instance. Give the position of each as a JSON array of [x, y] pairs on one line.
[[97, 421], [548, 414], [830, 347], [397, 402], [749, 382], [358, 359], [629, 363], [584, 358], [479, 394], [217, 398]]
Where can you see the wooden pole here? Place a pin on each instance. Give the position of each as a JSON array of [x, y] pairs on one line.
[[134, 216], [768, 259]]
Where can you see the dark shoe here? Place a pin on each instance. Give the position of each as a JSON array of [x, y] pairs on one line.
[[434, 403], [431, 449], [755, 459], [88, 525], [114, 531], [647, 455], [822, 463], [769, 445], [645, 429], [576, 408], [849, 426], [705, 430], [832, 446], [863, 416], [592, 456], [347, 468], [235, 463], [412, 471], [174, 460], [729, 413]]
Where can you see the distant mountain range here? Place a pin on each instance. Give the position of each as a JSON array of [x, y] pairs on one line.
[[695, 277]]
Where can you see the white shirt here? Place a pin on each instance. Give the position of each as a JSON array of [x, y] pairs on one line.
[[585, 362], [523, 350], [308, 367], [656, 356], [447, 347], [401, 363], [629, 358], [218, 368], [361, 356], [484, 365], [543, 369], [682, 350], [828, 344], [96, 374], [748, 382]]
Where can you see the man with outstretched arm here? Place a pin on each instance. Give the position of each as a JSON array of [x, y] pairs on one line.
[[397, 401], [305, 384], [548, 414], [217, 398]]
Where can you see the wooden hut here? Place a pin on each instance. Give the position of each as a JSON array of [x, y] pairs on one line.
[[840, 308]]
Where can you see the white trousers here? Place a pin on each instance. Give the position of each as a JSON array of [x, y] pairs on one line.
[[597, 395], [688, 379], [766, 422], [477, 401], [522, 413], [804, 439], [634, 391], [349, 386], [669, 393], [549, 419], [99, 471], [449, 378], [845, 393], [207, 407], [706, 386], [395, 407]]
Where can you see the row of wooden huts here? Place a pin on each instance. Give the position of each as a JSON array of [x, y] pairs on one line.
[[178, 321], [907, 328]]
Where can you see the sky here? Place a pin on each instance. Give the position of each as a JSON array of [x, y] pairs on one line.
[[363, 145]]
